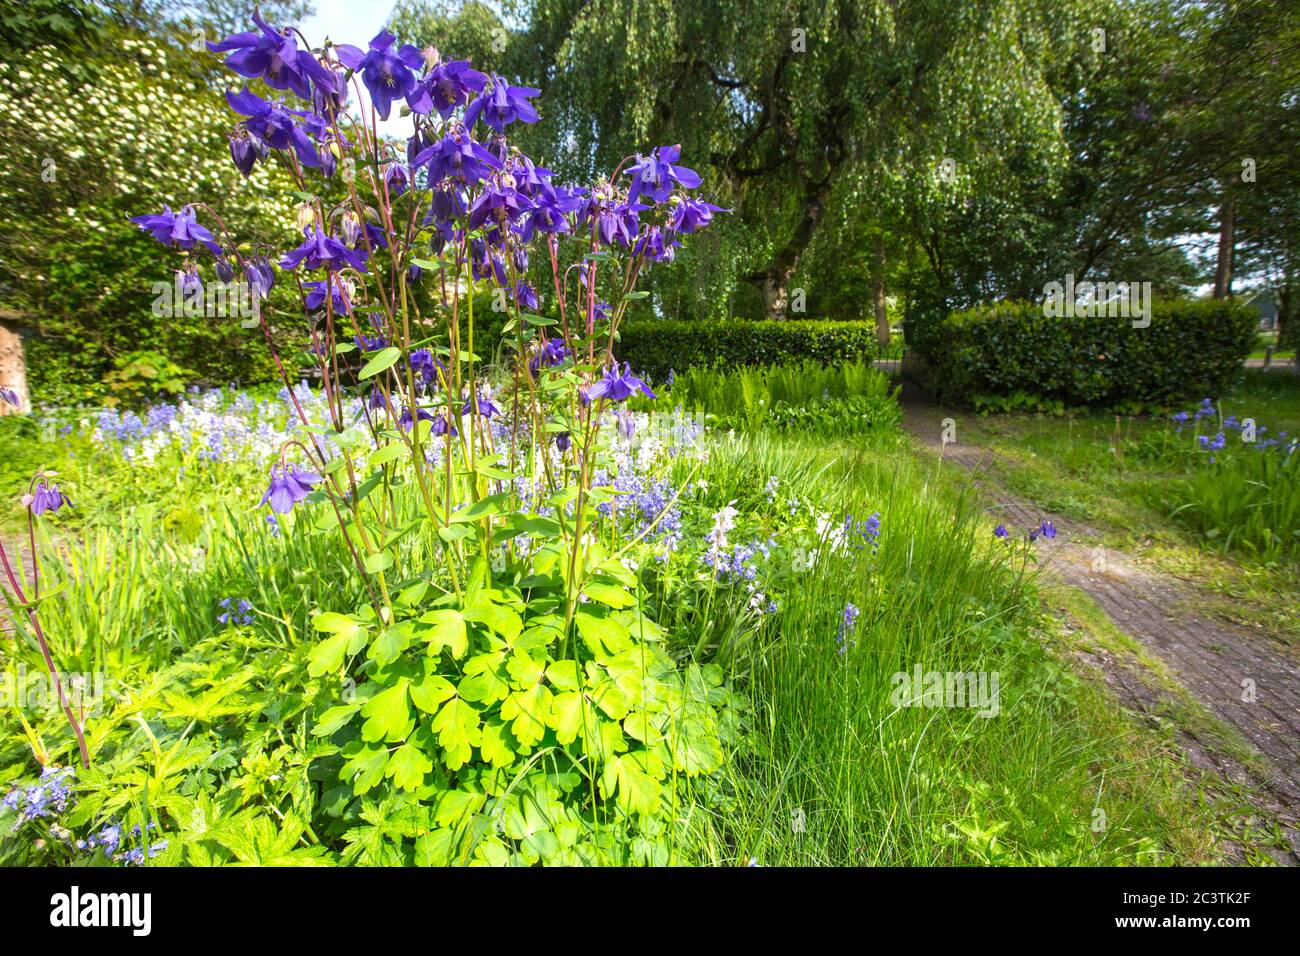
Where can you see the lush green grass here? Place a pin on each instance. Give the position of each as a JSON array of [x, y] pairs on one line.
[[1233, 525], [874, 783], [802, 398], [822, 767]]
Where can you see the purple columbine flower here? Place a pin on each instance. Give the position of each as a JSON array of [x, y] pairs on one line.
[[10, 396], [497, 204], [406, 419], [289, 485], [260, 276], [324, 251], [616, 387], [443, 424], [655, 175], [525, 296], [563, 441], [548, 213], [657, 245], [386, 73], [277, 126], [1047, 529], [550, 354], [626, 423], [45, 497], [692, 215], [483, 404], [457, 157], [398, 180], [274, 56], [425, 367], [502, 106], [246, 149], [180, 229], [1000, 531], [447, 86]]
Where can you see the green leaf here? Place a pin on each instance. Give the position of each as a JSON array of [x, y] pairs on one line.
[[529, 711], [568, 713], [334, 718], [382, 360], [523, 670], [408, 766], [457, 727], [604, 635], [386, 454], [608, 594], [495, 744], [429, 693], [327, 656], [366, 768], [448, 631], [388, 714], [563, 675], [482, 508], [390, 643], [635, 778]]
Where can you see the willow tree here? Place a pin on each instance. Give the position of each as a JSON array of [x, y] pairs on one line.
[[777, 103]]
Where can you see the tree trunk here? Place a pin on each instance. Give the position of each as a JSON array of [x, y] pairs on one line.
[[13, 368], [1227, 245], [773, 280], [878, 295]]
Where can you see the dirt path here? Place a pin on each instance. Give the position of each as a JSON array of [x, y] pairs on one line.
[[1247, 680]]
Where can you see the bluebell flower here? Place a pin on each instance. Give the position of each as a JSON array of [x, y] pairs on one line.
[[848, 623]]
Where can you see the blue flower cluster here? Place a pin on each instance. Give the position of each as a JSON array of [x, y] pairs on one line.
[[235, 611], [47, 797]]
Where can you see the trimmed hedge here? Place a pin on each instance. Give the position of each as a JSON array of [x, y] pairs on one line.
[[1189, 351], [655, 346]]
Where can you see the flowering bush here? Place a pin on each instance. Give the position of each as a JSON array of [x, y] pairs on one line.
[[129, 129], [512, 674]]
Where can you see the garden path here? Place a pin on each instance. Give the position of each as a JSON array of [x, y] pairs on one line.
[[1218, 663]]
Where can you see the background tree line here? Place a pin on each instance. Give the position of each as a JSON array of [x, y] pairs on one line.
[[870, 151]]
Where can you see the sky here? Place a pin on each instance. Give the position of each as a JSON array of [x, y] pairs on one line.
[[355, 22]]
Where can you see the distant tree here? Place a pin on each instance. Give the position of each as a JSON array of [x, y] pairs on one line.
[[777, 102]]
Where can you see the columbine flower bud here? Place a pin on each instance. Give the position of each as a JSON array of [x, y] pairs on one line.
[[350, 228], [306, 215], [243, 152], [431, 57]]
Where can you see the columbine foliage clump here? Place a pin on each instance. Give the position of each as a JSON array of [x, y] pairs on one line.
[[505, 696]]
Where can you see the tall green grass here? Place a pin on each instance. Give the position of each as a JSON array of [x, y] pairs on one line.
[[849, 399], [833, 774]]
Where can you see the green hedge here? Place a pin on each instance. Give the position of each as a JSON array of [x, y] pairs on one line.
[[1189, 351], [655, 346]]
